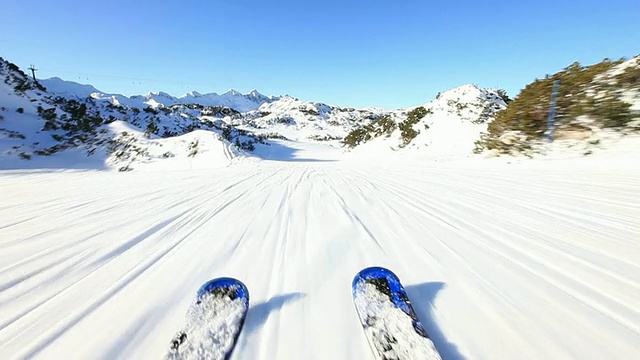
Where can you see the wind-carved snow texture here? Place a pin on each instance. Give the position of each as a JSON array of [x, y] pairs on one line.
[[210, 329], [389, 329]]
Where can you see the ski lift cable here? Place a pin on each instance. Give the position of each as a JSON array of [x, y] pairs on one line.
[[132, 79]]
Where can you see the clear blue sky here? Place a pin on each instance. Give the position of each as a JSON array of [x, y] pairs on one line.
[[349, 53]]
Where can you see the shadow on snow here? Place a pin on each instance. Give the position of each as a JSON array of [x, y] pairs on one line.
[[279, 151], [259, 314], [68, 160], [422, 297], [76, 159]]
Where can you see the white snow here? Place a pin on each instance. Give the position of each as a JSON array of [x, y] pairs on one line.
[[533, 259], [448, 131], [232, 98], [210, 329]]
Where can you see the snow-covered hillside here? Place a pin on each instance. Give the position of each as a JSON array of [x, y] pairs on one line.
[[307, 121], [597, 109], [444, 128], [79, 125], [76, 126], [454, 121]]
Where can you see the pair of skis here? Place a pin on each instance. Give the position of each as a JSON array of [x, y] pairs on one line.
[[215, 319]]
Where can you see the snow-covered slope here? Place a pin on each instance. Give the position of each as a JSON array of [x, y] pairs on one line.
[[76, 126], [20, 124], [598, 109], [632, 93], [530, 261], [456, 120], [453, 122], [304, 120], [449, 127], [199, 149]]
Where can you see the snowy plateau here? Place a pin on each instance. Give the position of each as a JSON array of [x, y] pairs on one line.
[[115, 209]]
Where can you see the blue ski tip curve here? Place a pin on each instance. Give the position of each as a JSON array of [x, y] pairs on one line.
[[377, 272], [393, 288], [237, 288]]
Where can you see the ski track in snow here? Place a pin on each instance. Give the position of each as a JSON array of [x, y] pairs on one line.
[[500, 262]]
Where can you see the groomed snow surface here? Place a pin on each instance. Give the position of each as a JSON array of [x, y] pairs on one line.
[[536, 259]]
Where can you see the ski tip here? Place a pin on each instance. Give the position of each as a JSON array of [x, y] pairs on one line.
[[374, 272], [377, 273], [234, 288]]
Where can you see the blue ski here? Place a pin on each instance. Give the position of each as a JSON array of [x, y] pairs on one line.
[[213, 322], [388, 318]]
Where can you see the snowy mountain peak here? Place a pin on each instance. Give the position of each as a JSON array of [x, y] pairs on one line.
[[463, 92], [231, 98], [193, 94], [159, 94], [288, 103], [232, 92], [466, 97], [159, 98]]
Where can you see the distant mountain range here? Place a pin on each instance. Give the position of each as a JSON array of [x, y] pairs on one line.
[[232, 98], [53, 117]]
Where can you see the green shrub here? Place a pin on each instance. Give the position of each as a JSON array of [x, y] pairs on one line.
[[416, 114], [630, 77], [407, 132], [357, 137], [193, 148], [48, 115], [152, 128], [503, 95], [151, 110], [381, 126], [583, 91]]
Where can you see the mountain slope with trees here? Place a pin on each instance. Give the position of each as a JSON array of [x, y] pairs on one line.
[[603, 96]]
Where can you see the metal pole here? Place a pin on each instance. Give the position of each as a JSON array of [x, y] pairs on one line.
[[33, 72], [552, 110]]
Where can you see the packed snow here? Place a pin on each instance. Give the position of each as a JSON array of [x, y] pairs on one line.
[[533, 259]]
